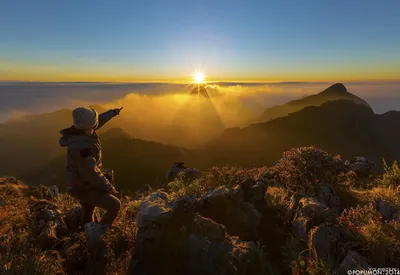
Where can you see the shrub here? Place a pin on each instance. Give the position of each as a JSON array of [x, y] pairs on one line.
[[391, 177], [195, 187], [301, 169], [258, 263], [276, 198], [231, 176], [380, 238]]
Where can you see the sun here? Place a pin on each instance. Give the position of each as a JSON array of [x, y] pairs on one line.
[[198, 77]]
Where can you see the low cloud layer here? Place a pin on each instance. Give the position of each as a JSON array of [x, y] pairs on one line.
[[234, 102]]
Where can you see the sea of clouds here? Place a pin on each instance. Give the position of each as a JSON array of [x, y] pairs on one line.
[[236, 102]]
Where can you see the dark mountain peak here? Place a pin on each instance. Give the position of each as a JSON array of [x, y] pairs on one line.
[[335, 92], [336, 89]]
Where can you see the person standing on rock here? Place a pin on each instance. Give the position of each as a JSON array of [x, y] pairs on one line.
[[85, 179]]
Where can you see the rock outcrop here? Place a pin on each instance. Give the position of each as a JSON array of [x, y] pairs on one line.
[[352, 261], [48, 225], [228, 207], [181, 241]]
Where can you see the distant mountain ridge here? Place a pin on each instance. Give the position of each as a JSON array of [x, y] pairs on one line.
[[341, 126], [335, 92]]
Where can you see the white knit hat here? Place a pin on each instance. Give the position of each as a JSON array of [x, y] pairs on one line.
[[85, 118]]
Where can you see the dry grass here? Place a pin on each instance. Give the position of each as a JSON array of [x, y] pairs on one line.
[[380, 239]]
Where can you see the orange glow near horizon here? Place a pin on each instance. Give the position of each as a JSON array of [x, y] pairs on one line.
[[13, 72]]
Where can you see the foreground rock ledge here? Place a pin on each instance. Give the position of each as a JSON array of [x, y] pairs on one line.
[[174, 239]]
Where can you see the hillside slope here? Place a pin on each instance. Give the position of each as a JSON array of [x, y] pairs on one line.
[[135, 162], [340, 126]]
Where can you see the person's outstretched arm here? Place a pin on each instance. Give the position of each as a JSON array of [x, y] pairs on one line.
[[106, 116]]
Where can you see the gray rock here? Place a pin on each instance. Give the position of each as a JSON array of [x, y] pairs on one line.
[[385, 209], [196, 245], [322, 239], [94, 232], [328, 196], [315, 211], [227, 206], [301, 227], [53, 191], [216, 194], [95, 245], [61, 228], [47, 237], [363, 167], [156, 208], [353, 261], [209, 229], [257, 191], [249, 219]]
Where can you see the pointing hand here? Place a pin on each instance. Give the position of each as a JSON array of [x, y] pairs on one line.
[[117, 111]]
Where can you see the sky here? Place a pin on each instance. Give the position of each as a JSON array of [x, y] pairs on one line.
[[118, 41]]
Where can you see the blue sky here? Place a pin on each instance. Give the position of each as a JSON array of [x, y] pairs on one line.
[[231, 40]]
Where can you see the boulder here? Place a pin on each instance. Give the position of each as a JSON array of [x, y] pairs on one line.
[[328, 196], [53, 190], [352, 261], [315, 211], [156, 208], [45, 214], [228, 207], [208, 228], [322, 239], [385, 209], [47, 237], [301, 226], [363, 167], [95, 245], [253, 191], [94, 233], [181, 241]]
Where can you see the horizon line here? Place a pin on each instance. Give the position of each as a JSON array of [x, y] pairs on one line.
[[188, 82]]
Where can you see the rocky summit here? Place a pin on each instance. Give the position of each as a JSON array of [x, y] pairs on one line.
[[310, 213]]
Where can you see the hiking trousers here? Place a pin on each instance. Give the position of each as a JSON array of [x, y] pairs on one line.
[[91, 198]]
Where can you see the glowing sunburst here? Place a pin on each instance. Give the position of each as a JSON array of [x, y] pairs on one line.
[[199, 77]]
